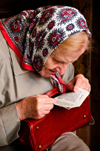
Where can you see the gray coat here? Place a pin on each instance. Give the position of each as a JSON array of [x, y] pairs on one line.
[[15, 85]]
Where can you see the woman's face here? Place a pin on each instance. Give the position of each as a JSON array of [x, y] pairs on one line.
[[60, 59]]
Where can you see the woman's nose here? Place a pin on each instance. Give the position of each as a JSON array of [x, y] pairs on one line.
[[61, 70]]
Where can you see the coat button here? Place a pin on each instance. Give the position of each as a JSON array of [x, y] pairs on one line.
[[40, 146], [84, 116], [37, 127]]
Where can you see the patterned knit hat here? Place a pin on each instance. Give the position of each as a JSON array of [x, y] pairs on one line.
[[35, 34]]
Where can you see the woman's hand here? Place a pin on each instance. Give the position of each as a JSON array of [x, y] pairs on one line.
[[79, 81], [35, 107]]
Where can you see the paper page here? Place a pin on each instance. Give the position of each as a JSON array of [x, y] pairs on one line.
[[72, 99]]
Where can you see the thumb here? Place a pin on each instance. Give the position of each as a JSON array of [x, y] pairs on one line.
[[70, 85]]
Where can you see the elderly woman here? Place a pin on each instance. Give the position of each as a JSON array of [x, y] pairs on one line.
[[37, 49]]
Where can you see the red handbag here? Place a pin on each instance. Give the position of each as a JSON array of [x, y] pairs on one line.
[[40, 134]]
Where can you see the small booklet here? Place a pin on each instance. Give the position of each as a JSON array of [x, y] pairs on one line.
[[72, 99]]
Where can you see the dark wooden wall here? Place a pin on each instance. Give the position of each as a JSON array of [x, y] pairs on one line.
[[95, 77], [10, 7], [88, 64], [83, 64]]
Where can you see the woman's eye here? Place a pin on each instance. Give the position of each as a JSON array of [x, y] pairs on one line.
[[55, 60]]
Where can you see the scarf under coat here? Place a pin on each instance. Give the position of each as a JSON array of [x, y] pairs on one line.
[[34, 35]]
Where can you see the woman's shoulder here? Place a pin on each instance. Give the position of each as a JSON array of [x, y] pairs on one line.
[[4, 49]]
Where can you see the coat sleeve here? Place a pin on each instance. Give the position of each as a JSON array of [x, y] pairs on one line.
[[9, 120], [9, 124]]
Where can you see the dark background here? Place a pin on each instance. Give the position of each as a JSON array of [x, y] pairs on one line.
[[88, 64]]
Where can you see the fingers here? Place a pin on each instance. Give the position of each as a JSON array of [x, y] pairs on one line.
[[70, 85], [81, 82], [47, 109], [45, 99], [35, 107], [41, 112], [50, 101], [77, 82], [44, 105]]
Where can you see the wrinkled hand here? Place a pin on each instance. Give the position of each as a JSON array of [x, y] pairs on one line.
[[35, 107], [79, 81]]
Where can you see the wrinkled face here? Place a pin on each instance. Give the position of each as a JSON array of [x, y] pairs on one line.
[[60, 59]]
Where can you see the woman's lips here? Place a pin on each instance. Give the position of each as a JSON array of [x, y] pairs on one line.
[[53, 71]]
